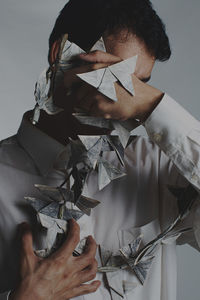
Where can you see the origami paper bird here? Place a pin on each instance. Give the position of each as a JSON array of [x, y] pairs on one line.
[[54, 209], [53, 213], [93, 145], [89, 153], [122, 128], [103, 79], [142, 267], [59, 196], [97, 144], [50, 78], [139, 259], [54, 227], [124, 259], [43, 100], [185, 199], [106, 173]]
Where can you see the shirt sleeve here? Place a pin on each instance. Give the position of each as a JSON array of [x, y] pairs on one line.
[[177, 133]]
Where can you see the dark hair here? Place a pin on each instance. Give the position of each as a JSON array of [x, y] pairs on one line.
[[86, 20]]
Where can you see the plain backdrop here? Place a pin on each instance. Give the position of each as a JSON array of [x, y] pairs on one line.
[[24, 29]]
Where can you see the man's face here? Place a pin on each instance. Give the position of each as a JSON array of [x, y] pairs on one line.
[[126, 45], [123, 46]]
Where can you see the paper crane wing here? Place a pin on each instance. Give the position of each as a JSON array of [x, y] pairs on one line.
[[123, 70], [126, 66], [51, 210], [112, 171], [48, 222], [55, 193], [99, 45], [37, 204], [42, 96], [132, 248], [103, 177], [85, 204], [72, 213], [93, 145], [122, 132], [142, 268], [68, 58], [107, 86], [89, 141], [107, 173], [117, 147], [51, 236], [93, 78]]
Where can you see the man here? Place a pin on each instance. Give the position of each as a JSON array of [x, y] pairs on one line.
[[139, 203]]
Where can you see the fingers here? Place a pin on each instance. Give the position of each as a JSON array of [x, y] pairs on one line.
[[102, 107], [71, 78], [92, 101], [28, 257], [72, 240], [91, 246], [89, 273], [84, 289], [88, 257], [99, 57], [83, 96], [92, 61]]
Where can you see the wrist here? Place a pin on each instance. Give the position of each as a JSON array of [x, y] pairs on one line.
[[146, 109], [22, 293]]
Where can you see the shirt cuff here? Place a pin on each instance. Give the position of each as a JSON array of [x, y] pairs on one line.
[[177, 133]]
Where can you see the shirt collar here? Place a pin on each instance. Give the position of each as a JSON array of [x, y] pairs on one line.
[[43, 149]]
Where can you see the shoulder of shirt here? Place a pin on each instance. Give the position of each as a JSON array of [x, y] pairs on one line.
[[8, 146], [13, 155], [9, 141], [11, 152], [142, 145], [142, 139]]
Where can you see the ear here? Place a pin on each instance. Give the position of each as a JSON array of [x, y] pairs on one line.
[[54, 52]]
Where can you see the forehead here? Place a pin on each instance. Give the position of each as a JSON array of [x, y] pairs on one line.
[[125, 45]]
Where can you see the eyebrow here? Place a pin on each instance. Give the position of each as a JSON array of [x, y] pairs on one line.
[[145, 79]]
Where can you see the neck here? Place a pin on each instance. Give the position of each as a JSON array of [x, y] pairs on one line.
[[63, 126]]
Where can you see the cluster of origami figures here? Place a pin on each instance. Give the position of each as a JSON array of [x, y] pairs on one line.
[[59, 204]]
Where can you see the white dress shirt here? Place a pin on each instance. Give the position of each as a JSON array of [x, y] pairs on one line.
[[138, 203]]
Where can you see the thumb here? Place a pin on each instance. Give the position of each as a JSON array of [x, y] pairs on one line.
[[28, 257], [99, 57]]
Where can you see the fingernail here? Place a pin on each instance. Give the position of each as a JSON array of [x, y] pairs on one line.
[[23, 227], [71, 220], [107, 116], [97, 282], [88, 238]]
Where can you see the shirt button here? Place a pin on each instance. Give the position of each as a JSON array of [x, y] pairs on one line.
[[157, 137], [194, 177]]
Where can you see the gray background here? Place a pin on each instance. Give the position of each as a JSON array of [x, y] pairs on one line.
[[24, 29]]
